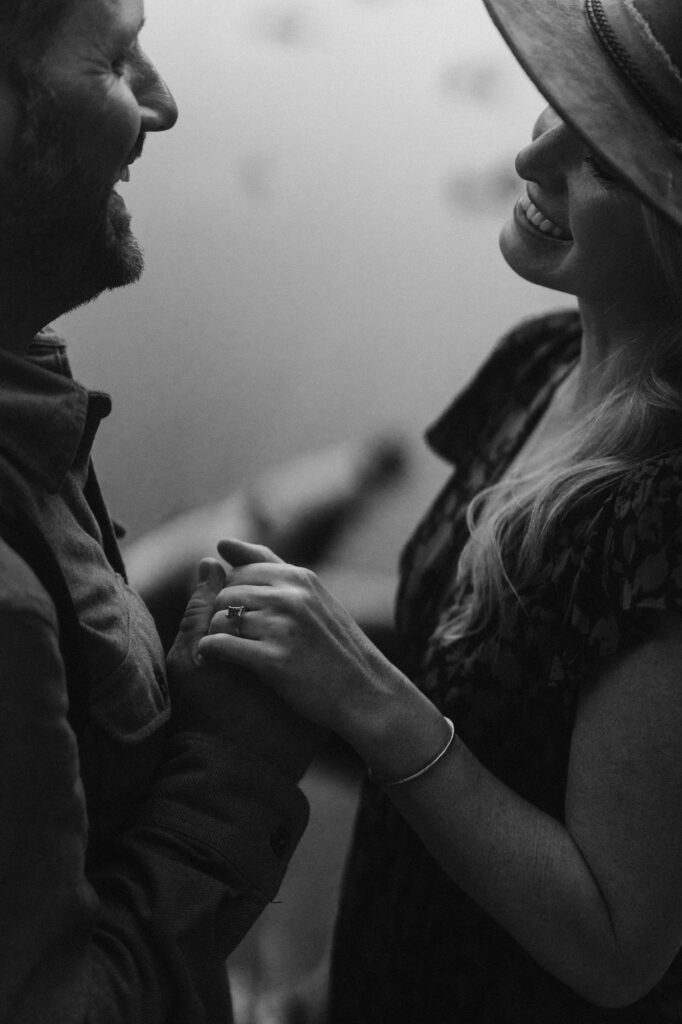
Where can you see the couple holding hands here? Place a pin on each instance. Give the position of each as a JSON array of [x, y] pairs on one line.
[[518, 850]]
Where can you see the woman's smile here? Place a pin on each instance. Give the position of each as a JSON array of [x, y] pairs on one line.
[[531, 217]]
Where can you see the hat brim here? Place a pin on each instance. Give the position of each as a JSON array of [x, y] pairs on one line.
[[554, 44]]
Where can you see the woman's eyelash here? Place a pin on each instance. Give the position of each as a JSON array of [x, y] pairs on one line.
[[597, 168]]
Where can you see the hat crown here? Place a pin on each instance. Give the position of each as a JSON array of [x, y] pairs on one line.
[[664, 18]]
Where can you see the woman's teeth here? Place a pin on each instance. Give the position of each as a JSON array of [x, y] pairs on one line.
[[539, 221], [124, 174]]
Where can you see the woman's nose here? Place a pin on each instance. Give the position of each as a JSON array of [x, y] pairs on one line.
[[548, 120], [158, 108], [549, 153]]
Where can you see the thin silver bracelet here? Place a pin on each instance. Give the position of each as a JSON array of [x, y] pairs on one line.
[[389, 783]]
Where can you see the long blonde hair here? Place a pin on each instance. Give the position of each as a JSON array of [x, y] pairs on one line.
[[512, 523]]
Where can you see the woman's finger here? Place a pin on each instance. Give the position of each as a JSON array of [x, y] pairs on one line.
[[253, 597], [240, 552], [234, 650], [279, 575], [236, 620], [262, 574]]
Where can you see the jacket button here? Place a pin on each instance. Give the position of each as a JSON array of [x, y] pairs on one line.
[[279, 840]]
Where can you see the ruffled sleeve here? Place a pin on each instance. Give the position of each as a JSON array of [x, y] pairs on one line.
[[644, 545], [630, 569]]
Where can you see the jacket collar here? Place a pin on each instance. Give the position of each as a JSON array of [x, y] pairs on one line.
[[46, 418]]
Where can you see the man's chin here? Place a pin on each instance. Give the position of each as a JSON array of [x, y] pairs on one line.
[[121, 260], [112, 258], [122, 267]]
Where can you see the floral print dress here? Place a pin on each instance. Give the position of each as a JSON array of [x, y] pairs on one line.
[[410, 946]]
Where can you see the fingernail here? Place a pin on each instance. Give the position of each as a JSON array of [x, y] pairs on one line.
[[204, 570]]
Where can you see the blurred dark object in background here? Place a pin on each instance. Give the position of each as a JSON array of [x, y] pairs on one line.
[[301, 510]]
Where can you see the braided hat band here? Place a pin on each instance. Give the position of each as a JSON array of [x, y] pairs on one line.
[[640, 58]]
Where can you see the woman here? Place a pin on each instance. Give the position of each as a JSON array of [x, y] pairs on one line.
[[525, 865]]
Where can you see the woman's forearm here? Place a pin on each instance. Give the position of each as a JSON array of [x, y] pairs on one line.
[[598, 900], [524, 868], [519, 864]]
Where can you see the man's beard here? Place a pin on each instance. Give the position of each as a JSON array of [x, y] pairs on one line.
[[55, 217]]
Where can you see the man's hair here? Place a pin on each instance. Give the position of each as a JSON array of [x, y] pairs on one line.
[[26, 27]]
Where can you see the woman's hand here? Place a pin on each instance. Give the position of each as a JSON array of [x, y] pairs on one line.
[[226, 701], [299, 640]]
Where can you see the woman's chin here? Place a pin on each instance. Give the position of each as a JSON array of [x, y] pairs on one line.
[[515, 254], [527, 262]]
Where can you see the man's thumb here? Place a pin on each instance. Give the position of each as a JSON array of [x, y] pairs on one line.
[[212, 573], [201, 605]]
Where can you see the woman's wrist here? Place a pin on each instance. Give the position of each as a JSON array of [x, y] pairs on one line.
[[391, 782], [394, 728]]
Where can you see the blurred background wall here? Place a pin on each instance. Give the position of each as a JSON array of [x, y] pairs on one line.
[[321, 239]]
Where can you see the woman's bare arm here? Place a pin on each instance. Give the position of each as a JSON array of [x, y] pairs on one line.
[[596, 899]]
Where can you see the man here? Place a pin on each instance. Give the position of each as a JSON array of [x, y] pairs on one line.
[[138, 843]]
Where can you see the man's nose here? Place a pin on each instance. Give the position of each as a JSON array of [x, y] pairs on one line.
[[159, 110]]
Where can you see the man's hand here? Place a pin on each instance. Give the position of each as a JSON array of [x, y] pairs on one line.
[[228, 701], [308, 649]]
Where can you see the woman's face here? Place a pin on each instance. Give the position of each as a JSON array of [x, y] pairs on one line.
[[576, 229]]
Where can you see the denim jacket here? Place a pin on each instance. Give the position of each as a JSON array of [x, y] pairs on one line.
[[132, 862]]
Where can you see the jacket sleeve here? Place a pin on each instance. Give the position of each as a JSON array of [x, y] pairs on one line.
[[142, 937]]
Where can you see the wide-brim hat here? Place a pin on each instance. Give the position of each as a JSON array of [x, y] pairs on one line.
[[611, 69]]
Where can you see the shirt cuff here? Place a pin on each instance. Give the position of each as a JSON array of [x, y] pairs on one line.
[[213, 793]]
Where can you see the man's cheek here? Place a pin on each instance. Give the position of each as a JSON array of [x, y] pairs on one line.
[[104, 125]]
